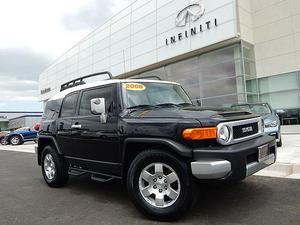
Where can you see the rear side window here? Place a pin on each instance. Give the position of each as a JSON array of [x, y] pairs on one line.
[[69, 105], [52, 109], [85, 105]]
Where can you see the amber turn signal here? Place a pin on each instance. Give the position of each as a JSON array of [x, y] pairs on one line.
[[200, 133]]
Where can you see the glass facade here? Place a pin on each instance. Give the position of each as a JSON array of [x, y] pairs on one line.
[[228, 76], [216, 78], [282, 92]]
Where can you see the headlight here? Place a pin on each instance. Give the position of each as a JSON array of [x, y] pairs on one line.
[[223, 134], [271, 124]]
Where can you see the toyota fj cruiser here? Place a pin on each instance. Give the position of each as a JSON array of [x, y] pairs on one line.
[[150, 135]]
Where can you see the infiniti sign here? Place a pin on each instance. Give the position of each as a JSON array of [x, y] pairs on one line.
[[190, 13]]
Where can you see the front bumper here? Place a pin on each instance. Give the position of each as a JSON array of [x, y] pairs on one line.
[[233, 162]]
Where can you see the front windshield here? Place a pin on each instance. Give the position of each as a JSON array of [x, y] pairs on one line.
[[260, 109], [153, 94]]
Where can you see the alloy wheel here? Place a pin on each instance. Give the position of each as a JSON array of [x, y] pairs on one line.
[[159, 185], [49, 167]]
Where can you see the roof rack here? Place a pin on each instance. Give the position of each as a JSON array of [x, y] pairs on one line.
[[79, 81], [148, 77]]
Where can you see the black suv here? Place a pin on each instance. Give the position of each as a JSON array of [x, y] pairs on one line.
[[148, 134]]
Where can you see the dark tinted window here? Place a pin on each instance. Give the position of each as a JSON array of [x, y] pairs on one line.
[[52, 109], [69, 105], [85, 103]]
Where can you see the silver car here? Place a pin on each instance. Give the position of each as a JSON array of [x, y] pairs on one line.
[[271, 119]]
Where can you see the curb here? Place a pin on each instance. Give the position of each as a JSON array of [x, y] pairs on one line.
[[282, 170]]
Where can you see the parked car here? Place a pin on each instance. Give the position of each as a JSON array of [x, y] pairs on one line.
[[270, 117], [148, 134], [21, 135], [2, 137]]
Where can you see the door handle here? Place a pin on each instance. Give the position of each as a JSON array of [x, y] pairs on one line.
[[76, 126]]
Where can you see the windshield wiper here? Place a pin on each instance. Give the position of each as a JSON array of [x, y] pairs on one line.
[[142, 106]]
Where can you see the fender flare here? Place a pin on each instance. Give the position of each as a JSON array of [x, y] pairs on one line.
[[41, 137], [179, 148]]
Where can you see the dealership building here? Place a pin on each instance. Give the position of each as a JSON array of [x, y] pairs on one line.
[[11, 120], [221, 51]]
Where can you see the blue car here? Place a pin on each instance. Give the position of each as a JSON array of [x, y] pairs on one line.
[[21, 135], [271, 119]]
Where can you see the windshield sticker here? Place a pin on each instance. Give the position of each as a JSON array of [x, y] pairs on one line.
[[134, 86]]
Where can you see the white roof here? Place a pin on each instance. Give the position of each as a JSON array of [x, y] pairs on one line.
[[62, 94]]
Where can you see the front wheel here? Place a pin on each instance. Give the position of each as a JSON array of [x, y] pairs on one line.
[[279, 143], [160, 185], [54, 168], [15, 140]]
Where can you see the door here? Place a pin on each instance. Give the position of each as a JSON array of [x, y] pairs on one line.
[[97, 142], [64, 124], [30, 134]]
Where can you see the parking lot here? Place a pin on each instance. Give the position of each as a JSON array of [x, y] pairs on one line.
[[26, 199]]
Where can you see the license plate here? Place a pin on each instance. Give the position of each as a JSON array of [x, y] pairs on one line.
[[263, 151]]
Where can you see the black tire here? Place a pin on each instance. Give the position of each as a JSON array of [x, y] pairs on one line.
[[279, 144], [61, 176], [4, 142], [187, 186], [15, 140]]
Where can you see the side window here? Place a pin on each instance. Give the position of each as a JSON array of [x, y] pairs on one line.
[[85, 105], [69, 105]]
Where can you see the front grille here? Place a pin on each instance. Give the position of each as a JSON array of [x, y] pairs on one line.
[[241, 130], [244, 130]]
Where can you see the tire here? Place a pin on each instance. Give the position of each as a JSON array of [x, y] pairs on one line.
[[165, 208], [54, 168], [3, 141], [279, 144], [15, 140]]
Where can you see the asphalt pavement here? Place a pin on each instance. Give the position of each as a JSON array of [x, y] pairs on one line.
[[26, 199]]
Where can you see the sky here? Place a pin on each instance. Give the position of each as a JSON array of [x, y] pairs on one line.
[[33, 33]]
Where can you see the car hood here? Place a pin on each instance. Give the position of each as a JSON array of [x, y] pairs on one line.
[[207, 116], [269, 118]]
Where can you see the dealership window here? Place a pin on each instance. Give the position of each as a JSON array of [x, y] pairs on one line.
[[282, 92], [216, 78]]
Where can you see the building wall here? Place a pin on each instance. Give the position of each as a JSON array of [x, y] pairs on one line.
[[3, 125], [7, 115], [244, 20], [24, 121], [273, 26], [136, 37]]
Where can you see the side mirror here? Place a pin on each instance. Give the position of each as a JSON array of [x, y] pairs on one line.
[[98, 108]]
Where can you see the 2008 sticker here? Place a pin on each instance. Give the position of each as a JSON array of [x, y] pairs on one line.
[[134, 86]]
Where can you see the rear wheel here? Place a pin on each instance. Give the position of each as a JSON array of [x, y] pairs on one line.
[[54, 168], [3, 141], [160, 185], [15, 140]]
